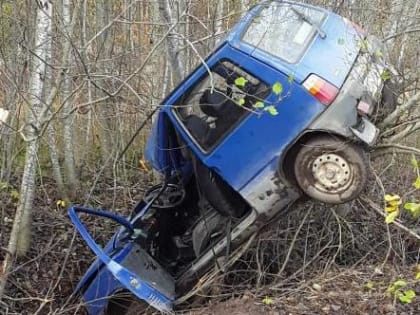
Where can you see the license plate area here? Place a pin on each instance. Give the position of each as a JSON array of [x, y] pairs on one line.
[[139, 262]]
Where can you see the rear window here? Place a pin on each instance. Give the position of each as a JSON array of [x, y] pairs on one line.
[[216, 104], [280, 30]]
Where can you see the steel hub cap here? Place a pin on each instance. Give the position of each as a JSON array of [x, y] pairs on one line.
[[331, 173]]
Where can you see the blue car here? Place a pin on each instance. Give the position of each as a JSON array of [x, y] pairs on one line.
[[282, 108]]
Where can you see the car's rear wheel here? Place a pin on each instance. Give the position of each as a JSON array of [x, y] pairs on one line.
[[331, 170]]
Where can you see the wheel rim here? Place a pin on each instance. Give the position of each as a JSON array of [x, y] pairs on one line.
[[331, 173]]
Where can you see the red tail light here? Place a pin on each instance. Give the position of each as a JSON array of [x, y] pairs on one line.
[[325, 92]]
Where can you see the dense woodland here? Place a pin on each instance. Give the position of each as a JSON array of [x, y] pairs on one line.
[[78, 77]]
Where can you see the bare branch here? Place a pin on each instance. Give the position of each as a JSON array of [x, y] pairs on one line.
[[393, 117]]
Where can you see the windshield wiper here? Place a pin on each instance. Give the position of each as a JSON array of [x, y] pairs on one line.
[[308, 20]]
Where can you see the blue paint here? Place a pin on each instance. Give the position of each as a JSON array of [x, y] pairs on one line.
[[103, 285]]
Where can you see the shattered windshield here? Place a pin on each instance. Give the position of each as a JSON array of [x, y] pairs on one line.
[[278, 29]]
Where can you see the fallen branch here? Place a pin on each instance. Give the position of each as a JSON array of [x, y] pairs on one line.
[[396, 114], [396, 148]]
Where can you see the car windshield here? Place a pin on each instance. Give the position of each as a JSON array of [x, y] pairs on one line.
[[280, 30]]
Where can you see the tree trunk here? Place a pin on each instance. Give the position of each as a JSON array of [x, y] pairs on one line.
[[68, 116], [89, 119], [19, 238], [55, 163], [173, 52], [104, 46], [47, 86]]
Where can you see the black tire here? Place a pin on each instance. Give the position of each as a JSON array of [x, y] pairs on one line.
[[330, 169]]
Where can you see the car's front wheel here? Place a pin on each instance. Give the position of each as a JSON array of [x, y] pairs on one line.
[[331, 170]]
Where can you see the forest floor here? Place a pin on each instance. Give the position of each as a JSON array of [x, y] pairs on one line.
[[42, 282], [337, 292]]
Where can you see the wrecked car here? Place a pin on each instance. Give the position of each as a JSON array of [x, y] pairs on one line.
[[282, 108]]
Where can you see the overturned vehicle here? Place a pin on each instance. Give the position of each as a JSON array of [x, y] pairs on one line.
[[282, 108]]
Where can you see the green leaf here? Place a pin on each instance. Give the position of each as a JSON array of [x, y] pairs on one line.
[[391, 217], [395, 203], [390, 209], [370, 285], [272, 110], [379, 54], [341, 41], [4, 185], [291, 78], [394, 288], [410, 293], [407, 297], [258, 105], [416, 184], [241, 82], [389, 198], [385, 75], [240, 102], [267, 301], [413, 208], [363, 45], [399, 284], [415, 163], [277, 88], [61, 203]]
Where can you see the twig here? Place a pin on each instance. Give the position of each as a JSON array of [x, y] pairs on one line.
[[277, 286], [393, 117], [401, 148], [398, 224], [292, 245], [209, 278]]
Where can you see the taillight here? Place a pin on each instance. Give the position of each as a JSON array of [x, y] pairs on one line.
[[325, 92]]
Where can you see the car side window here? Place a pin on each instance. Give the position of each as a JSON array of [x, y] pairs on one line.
[[218, 102]]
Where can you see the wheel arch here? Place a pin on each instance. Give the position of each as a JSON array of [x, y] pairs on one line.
[[290, 154]]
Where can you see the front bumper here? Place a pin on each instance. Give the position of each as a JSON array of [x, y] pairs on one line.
[[130, 268], [365, 131]]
